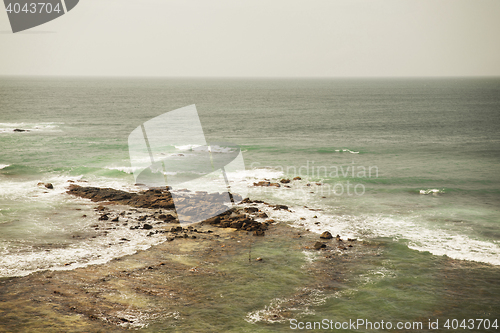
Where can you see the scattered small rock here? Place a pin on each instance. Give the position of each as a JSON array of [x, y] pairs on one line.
[[47, 185], [326, 235]]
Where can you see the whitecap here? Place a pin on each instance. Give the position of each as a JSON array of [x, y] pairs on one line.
[[431, 191], [346, 150], [187, 147], [129, 170], [91, 251]]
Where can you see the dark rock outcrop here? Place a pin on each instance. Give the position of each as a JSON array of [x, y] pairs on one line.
[[190, 205]]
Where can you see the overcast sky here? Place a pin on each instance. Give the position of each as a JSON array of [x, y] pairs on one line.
[[261, 38]]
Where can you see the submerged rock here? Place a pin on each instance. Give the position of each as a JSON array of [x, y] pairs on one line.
[[319, 245], [266, 183]]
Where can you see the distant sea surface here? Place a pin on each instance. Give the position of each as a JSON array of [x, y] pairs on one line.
[[415, 162]]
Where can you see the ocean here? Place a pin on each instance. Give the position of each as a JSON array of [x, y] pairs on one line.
[[410, 163]]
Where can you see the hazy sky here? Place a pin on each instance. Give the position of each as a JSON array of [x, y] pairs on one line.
[[271, 38]]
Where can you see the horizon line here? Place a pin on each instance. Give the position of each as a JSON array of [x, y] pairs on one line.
[[244, 77]]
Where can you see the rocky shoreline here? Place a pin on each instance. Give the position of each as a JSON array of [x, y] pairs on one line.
[[134, 291], [237, 218], [240, 218]]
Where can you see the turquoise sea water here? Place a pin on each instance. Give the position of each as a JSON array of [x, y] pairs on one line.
[[425, 155]]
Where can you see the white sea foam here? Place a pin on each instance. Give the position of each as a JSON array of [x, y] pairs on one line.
[[279, 308], [2, 166], [17, 190], [187, 147], [129, 170], [97, 250], [347, 151], [417, 236], [415, 233], [253, 175], [211, 148]]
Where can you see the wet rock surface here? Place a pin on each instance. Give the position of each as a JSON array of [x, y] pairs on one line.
[[191, 206], [166, 282], [148, 199], [240, 218]]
